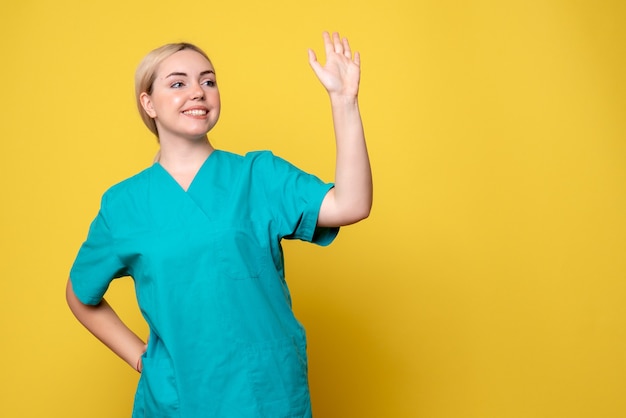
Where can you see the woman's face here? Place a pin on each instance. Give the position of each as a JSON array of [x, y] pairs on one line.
[[185, 100]]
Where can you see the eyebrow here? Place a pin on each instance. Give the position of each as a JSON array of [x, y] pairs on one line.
[[179, 74]]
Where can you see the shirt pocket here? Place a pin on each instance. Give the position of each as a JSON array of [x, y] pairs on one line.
[[158, 384], [241, 255], [278, 374]]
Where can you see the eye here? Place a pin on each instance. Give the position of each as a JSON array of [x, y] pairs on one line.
[[209, 83], [177, 85]]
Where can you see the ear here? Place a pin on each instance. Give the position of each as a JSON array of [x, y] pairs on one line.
[[146, 103]]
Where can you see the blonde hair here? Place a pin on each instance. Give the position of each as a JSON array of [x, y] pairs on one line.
[[147, 71]]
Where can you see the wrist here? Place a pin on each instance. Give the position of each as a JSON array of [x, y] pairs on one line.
[[340, 99]]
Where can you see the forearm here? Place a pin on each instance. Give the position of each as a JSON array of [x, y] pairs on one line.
[[351, 199], [102, 321]]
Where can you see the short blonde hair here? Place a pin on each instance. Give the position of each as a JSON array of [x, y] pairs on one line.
[[147, 71]]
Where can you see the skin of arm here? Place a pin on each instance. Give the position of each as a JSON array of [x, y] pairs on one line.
[[351, 199], [102, 321]]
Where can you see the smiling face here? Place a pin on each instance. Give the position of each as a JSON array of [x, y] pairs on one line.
[[184, 100]]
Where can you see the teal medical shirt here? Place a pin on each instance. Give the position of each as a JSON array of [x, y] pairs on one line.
[[209, 278]]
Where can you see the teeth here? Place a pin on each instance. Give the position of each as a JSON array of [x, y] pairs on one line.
[[195, 112]]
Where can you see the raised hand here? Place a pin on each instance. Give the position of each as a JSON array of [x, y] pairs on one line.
[[351, 199], [341, 73]]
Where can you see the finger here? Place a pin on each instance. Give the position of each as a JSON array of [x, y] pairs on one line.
[[317, 67], [337, 43], [346, 48], [328, 44], [312, 57], [357, 58]]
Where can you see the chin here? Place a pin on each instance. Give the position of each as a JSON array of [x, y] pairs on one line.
[[198, 133]]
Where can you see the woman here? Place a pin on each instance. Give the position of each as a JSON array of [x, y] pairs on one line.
[[199, 231]]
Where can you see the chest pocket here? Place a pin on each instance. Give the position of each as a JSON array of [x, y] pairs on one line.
[[251, 298], [240, 254]]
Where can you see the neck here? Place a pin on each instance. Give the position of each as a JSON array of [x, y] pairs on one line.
[[184, 156]]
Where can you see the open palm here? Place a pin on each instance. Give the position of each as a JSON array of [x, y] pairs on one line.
[[341, 73]]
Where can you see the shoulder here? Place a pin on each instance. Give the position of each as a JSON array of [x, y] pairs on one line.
[[247, 158], [261, 161], [131, 187], [267, 160]]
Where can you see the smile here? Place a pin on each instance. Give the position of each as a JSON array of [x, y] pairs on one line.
[[195, 112]]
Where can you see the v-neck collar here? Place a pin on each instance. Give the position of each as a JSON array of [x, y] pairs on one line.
[[195, 177]]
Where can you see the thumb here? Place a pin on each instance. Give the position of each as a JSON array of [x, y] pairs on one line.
[[317, 67]]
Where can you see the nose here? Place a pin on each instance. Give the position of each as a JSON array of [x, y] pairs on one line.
[[197, 93]]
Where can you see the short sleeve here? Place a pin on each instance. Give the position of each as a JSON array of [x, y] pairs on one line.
[[296, 197], [97, 262]]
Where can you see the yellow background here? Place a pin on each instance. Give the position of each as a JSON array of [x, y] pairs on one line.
[[489, 280]]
